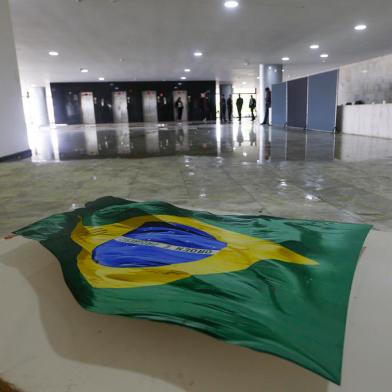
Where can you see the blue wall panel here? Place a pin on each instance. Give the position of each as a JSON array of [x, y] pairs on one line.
[[279, 104], [297, 102], [322, 101]]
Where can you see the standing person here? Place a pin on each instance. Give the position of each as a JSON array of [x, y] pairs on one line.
[[252, 107], [207, 107], [240, 103], [202, 106], [180, 108], [162, 107], [230, 107], [223, 109], [268, 101]]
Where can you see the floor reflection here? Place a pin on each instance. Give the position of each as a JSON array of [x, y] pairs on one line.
[[247, 142]]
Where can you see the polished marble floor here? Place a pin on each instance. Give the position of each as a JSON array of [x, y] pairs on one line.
[[236, 169]]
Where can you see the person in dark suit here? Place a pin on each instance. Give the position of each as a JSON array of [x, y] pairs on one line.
[[252, 107], [268, 102], [180, 108], [230, 107], [223, 109], [240, 103], [204, 104]]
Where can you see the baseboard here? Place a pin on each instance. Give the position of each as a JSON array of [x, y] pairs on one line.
[[17, 156]]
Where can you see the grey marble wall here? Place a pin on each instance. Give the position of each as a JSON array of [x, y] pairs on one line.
[[369, 81]]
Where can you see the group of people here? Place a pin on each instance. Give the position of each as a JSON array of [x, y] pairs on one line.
[[227, 106], [204, 105]]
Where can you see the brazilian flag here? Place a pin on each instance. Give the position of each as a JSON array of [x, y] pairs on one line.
[[275, 285]]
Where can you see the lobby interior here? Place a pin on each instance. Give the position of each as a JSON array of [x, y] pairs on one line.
[[57, 154]]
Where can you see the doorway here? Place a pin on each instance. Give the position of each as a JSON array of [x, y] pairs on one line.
[[150, 110], [120, 107], [245, 95], [87, 107], [184, 98]]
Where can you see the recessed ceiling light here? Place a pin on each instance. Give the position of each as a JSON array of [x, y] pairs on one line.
[[231, 4], [285, 58], [269, 67], [314, 46], [258, 78], [364, 71], [187, 70], [183, 77], [101, 78], [324, 55], [53, 53], [243, 83], [198, 54], [83, 70], [360, 27]]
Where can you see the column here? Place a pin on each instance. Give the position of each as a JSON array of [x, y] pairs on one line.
[[38, 107], [13, 134], [269, 75]]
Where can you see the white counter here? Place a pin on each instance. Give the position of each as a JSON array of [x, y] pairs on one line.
[[366, 120]]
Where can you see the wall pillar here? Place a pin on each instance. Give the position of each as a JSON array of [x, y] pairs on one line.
[[13, 134], [38, 107], [269, 74]]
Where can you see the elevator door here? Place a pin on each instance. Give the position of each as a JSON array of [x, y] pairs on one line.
[[150, 110], [184, 98], [87, 106], [120, 107]]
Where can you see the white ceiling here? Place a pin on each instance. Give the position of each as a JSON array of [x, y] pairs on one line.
[[156, 38]]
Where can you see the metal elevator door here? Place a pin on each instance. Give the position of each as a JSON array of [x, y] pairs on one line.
[[87, 107], [120, 107], [184, 98], [150, 110]]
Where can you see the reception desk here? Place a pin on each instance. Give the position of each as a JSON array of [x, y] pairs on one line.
[[367, 120]]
